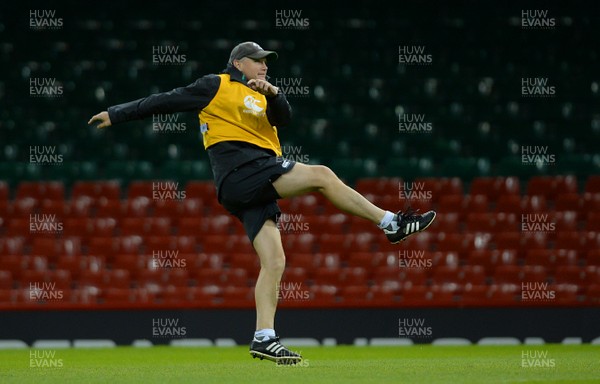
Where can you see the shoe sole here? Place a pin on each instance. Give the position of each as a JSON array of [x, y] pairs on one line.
[[420, 230], [284, 360]]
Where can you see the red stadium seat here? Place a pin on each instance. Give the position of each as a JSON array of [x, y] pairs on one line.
[[494, 187], [378, 186], [332, 243], [80, 227], [129, 262], [203, 190], [450, 204], [323, 294], [570, 274], [476, 203], [24, 207], [178, 277], [4, 191], [355, 276], [534, 273], [138, 188], [482, 222], [238, 294], [504, 294], [509, 204], [355, 294], [489, 259], [565, 221], [551, 186], [534, 204], [475, 295], [473, 274], [10, 245], [176, 295], [449, 222], [327, 276], [207, 277], [306, 261], [569, 202], [168, 208], [247, 261], [140, 206], [440, 187], [59, 208], [117, 278], [592, 184], [111, 208], [6, 280], [593, 221], [50, 190], [593, 257], [191, 226], [91, 278], [570, 240], [507, 274], [593, 294], [446, 274], [109, 190], [591, 203], [295, 275]]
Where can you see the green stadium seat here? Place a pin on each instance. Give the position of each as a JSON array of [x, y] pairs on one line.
[[185, 170]]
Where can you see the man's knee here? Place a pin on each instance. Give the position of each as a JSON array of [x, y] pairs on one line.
[[323, 175], [274, 263]]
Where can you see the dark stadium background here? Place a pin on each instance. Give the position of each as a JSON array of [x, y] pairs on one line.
[[348, 59]]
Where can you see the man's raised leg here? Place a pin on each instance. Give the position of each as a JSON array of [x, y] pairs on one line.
[[304, 178], [317, 178]]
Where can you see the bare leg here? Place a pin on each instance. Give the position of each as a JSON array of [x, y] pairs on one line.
[[272, 264], [304, 178]]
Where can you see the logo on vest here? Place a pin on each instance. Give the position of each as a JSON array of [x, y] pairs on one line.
[[251, 103]]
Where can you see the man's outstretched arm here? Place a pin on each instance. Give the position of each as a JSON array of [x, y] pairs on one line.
[[193, 97]]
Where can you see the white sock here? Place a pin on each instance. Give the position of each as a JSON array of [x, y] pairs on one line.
[[387, 219], [264, 334]]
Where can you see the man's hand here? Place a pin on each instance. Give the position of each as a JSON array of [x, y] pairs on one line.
[[103, 118], [263, 86]]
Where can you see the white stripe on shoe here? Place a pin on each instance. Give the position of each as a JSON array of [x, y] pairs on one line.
[[272, 346], [412, 227]]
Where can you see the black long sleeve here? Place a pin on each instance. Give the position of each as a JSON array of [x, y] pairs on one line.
[[279, 111], [193, 97]]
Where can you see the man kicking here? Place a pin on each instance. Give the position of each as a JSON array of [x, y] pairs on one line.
[[240, 113]]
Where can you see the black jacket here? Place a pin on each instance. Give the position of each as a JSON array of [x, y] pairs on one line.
[[224, 156]]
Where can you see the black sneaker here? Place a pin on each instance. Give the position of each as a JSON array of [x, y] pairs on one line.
[[272, 350], [407, 223]]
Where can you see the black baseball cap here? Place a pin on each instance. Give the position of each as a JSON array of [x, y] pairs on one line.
[[252, 50]]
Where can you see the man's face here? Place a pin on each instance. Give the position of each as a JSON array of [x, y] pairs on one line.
[[253, 68]]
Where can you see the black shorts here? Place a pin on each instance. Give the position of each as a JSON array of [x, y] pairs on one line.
[[248, 193]]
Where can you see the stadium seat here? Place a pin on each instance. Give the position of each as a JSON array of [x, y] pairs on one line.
[[168, 208], [109, 190], [6, 280], [494, 187], [552, 186], [592, 184], [4, 191], [507, 274], [78, 227], [570, 274], [247, 261], [509, 204], [51, 190], [490, 259]]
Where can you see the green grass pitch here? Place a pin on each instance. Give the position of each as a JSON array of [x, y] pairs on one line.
[[342, 364]]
